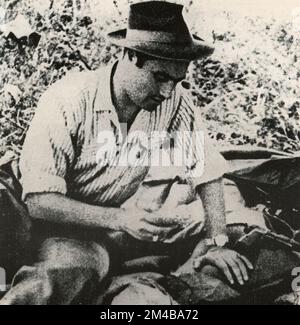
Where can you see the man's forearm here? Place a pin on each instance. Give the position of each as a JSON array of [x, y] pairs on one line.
[[212, 197], [58, 208]]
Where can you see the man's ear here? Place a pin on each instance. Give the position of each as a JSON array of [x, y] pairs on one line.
[[134, 59]]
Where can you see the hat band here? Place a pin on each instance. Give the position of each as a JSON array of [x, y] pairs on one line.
[[136, 35]]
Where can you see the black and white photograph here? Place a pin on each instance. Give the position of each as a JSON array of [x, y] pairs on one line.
[[150, 153]]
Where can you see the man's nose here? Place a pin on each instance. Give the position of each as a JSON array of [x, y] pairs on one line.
[[166, 89]]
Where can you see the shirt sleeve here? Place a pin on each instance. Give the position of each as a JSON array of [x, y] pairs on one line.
[[48, 151], [203, 162]]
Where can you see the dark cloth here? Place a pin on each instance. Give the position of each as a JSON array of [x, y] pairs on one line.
[[15, 224], [276, 180], [270, 278]]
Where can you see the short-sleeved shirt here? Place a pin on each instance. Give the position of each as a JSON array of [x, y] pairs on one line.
[[69, 148]]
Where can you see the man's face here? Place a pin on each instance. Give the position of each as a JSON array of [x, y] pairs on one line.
[[154, 82]]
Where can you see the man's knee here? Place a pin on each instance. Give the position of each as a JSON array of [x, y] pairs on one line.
[[67, 272], [68, 253]]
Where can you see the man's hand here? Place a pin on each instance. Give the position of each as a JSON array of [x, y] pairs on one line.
[[148, 226], [233, 265]]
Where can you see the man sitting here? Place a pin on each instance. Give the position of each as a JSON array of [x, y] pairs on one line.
[[76, 185]]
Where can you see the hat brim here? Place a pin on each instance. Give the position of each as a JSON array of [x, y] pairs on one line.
[[197, 49]]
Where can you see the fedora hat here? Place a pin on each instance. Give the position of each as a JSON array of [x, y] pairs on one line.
[[158, 29]]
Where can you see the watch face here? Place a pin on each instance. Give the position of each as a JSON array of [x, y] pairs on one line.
[[221, 240]]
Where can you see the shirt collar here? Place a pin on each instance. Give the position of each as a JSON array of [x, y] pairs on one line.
[[103, 102]]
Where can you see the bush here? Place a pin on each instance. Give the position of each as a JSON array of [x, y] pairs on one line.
[[249, 88]]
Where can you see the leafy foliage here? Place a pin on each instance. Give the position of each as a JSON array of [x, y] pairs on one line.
[[249, 89]]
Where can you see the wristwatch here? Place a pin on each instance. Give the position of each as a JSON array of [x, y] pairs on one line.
[[219, 241]]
